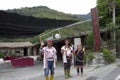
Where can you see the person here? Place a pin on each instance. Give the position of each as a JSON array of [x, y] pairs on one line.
[[79, 58], [66, 51], [49, 60]]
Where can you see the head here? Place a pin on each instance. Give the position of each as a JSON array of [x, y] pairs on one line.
[[49, 43], [67, 42], [79, 46]]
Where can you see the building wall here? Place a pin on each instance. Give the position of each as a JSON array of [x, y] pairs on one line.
[[15, 51]]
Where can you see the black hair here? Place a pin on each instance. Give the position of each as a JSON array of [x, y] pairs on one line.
[[68, 41]]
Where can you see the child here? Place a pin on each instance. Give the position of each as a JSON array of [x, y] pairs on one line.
[[79, 58]]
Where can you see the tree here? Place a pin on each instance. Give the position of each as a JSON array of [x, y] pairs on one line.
[[90, 40], [105, 10]]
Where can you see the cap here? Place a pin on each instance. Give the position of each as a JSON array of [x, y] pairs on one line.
[[49, 41]]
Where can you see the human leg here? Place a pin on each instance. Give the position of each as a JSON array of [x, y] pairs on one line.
[[51, 67], [65, 70], [46, 73]]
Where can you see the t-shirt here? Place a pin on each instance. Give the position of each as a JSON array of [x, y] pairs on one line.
[[67, 50], [49, 55], [49, 52]]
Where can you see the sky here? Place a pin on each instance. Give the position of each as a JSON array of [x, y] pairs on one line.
[[66, 6]]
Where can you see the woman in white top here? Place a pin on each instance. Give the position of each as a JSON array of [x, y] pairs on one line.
[[67, 52]]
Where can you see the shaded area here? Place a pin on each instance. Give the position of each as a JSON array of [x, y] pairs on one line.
[[13, 25]]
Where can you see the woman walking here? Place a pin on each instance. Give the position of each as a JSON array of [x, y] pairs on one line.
[[66, 51], [79, 58], [49, 60]]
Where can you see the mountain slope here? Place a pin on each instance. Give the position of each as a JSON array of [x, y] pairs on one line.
[[86, 16], [44, 12]]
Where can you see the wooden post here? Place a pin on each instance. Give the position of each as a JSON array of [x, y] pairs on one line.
[[96, 30]]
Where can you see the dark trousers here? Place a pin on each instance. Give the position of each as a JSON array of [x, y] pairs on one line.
[[67, 67], [68, 64]]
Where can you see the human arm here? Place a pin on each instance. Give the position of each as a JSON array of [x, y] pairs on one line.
[[55, 55]]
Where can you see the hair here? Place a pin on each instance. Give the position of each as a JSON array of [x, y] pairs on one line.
[[68, 41], [79, 45]]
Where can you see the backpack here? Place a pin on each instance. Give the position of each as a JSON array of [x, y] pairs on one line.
[[79, 55]]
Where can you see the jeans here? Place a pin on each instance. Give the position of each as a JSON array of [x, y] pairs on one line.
[[50, 67]]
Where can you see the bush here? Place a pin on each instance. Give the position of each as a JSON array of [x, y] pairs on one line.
[[88, 57], [108, 56], [117, 44], [1, 55], [90, 40], [118, 48]]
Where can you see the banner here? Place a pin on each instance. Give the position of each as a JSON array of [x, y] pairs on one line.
[[96, 30]]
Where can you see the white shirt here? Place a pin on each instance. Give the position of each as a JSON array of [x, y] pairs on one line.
[[67, 52]]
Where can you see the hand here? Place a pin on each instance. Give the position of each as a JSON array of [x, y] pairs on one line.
[[70, 55], [84, 49]]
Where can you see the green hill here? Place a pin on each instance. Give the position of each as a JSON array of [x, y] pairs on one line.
[[44, 12]]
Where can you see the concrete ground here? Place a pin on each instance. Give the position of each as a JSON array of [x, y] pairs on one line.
[[94, 72], [114, 75]]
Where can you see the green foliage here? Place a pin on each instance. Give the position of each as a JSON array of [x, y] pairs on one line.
[[90, 40], [118, 34], [1, 55], [118, 43], [109, 27], [44, 12], [118, 47], [104, 9], [70, 31], [88, 56], [108, 56]]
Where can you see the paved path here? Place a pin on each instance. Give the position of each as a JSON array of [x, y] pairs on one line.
[[113, 75], [7, 72]]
